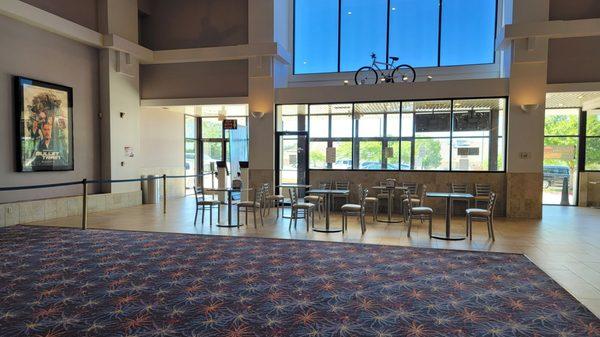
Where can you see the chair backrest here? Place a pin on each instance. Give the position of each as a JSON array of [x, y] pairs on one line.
[[390, 182], [293, 196], [325, 185], [342, 185], [412, 187], [199, 193], [266, 188], [406, 195], [422, 195], [458, 188], [492, 203], [260, 193], [363, 192], [482, 190]]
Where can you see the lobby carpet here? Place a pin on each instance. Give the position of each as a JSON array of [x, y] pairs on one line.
[[68, 282]]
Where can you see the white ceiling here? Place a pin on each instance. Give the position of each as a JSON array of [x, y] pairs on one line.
[[571, 99]]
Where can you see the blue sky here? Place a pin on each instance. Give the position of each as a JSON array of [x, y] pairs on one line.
[[467, 34]]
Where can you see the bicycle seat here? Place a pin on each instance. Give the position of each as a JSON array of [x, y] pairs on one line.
[[394, 58]]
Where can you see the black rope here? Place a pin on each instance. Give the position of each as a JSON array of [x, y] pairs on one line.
[[98, 181]]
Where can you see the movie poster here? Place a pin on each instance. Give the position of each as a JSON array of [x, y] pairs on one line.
[[44, 126]]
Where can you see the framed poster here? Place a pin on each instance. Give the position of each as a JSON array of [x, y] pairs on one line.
[[44, 126]]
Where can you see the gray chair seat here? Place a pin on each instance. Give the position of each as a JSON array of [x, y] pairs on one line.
[[275, 197], [248, 204], [482, 197], [371, 199], [351, 207], [422, 210], [304, 205], [384, 195], [208, 202], [313, 198], [478, 212], [413, 200]]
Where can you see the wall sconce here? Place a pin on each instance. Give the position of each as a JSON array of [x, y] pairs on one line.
[[529, 107], [257, 114]]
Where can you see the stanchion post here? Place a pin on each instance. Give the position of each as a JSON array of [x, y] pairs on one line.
[[164, 193], [85, 205]]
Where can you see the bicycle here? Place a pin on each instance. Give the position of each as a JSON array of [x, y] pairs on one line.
[[401, 73]]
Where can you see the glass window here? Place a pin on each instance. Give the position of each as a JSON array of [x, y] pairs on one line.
[[341, 126], [363, 31], [190, 127], [370, 155], [319, 126], [561, 122], [370, 125], [392, 155], [593, 123], [343, 155], [414, 26], [291, 117], [455, 135], [468, 32], [470, 154], [316, 155], [592, 154], [211, 128], [316, 36], [432, 154], [592, 145]]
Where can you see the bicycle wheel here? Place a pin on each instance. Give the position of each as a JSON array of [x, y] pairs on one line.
[[365, 75], [404, 73]]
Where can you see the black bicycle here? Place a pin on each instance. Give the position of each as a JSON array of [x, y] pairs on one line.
[[369, 74]]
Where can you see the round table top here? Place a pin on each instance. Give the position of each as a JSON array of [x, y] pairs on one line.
[[448, 195], [320, 191]]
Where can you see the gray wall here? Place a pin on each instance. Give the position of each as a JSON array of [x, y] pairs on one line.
[[178, 24], [83, 12], [574, 60], [33, 53], [574, 9], [194, 80]]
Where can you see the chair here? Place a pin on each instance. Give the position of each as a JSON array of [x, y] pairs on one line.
[[271, 198], [460, 188], [341, 185], [375, 202], [414, 201], [253, 205], [482, 215], [202, 202], [318, 200], [355, 210], [482, 194], [418, 212], [413, 188], [307, 208]]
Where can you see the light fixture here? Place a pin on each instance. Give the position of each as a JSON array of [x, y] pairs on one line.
[[345, 82], [529, 107], [349, 13], [257, 114], [429, 78]]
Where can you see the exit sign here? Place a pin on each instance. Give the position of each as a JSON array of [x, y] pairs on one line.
[[230, 124]]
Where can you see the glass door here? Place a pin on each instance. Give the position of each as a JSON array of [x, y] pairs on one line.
[[292, 159], [561, 149]]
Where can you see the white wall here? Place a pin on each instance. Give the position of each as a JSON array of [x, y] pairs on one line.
[[37, 54], [162, 146]]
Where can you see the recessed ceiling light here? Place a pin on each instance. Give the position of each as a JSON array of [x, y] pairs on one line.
[[349, 13], [560, 104], [393, 8], [580, 96]]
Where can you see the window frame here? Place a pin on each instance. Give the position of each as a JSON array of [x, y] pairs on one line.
[[400, 139], [387, 39]]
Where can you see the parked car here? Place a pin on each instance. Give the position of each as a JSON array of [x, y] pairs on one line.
[[554, 175]]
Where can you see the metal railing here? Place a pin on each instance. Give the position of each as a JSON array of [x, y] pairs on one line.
[[85, 182]]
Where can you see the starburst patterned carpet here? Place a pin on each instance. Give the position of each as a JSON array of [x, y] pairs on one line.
[[68, 282]]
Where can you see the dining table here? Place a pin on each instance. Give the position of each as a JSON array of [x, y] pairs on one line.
[[327, 193], [448, 196], [229, 191], [390, 190]]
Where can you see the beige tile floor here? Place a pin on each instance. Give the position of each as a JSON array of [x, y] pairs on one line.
[[565, 243]]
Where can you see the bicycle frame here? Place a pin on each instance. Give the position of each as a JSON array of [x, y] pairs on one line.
[[388, 67]]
